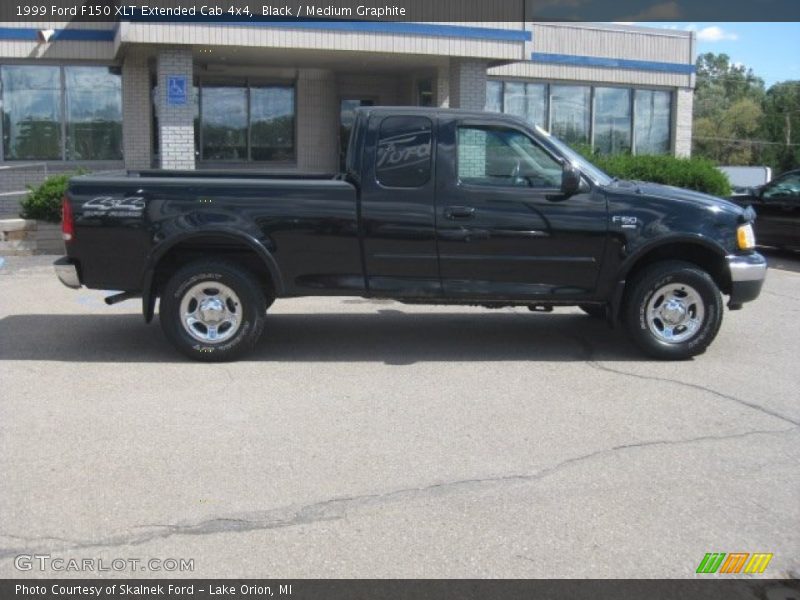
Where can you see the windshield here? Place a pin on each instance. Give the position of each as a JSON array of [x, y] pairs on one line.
[[587, 168]]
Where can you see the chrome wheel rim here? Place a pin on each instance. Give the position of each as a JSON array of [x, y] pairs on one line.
[[210, 312], [675, 313]]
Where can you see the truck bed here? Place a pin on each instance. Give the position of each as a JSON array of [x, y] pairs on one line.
[[309, 223]]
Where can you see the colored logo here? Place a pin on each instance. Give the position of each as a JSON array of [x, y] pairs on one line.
[[735, 562]]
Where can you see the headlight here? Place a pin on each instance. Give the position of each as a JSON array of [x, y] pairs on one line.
[[745, 237]]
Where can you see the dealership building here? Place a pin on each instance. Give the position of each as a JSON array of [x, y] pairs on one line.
[[280, 95]]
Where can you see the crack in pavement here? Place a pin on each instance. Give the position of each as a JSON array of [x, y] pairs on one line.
[[696, 386], [338, 508], [589, 352]]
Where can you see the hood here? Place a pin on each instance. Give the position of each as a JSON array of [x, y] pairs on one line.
[[668, 192]]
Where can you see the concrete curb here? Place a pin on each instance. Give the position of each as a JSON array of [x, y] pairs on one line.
[[24, 237]]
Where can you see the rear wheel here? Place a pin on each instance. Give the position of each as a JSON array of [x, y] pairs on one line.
[[673, 310], [212, 310]]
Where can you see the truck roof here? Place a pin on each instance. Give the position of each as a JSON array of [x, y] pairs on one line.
[[433, 110]]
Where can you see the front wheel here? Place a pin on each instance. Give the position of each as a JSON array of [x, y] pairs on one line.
[[212, 310], [673, 310]]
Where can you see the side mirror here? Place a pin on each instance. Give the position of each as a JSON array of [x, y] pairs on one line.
[[570, 180]]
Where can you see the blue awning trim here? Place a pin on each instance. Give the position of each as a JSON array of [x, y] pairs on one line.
[[612, 63], [65, 35]]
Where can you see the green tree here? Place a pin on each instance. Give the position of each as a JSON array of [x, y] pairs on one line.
[[781, 125], [738, 122], [727, 106]]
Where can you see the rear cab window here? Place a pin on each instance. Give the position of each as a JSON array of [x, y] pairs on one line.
[[403, 155]]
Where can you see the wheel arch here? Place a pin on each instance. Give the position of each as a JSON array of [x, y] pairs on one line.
[[695, 250], [212, 243]]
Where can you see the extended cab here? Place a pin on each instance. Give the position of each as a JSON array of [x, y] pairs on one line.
[[434, 206]]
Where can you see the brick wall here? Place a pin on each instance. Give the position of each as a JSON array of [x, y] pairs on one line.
[[467, 84], [682, 122], [175, 123], [317, 121], [442, 90], [471, 153], [136, 108]]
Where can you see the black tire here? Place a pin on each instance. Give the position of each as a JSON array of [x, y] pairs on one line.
[[250, 310], [268, 302], [596, 311], [685, 276]]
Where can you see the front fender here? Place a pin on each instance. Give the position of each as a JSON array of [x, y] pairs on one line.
[[642, 250]]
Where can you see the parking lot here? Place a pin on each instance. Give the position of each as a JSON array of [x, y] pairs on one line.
[[373, 439]]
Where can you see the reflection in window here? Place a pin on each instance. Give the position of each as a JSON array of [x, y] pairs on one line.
[[404, 152], [498, 156], [570, 113], [526, 100], [240, 123], [652, 116], [272, 123], [31, 112], [612, 120], [94, 113], [224, 123], [786, 187], [494, 96]]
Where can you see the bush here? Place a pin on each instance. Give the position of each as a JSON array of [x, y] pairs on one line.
[[43, 202], [692, 173]]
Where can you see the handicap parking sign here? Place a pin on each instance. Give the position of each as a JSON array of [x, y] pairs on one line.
[[176, 90]]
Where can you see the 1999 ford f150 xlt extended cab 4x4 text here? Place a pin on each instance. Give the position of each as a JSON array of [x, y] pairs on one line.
[[434, 206]]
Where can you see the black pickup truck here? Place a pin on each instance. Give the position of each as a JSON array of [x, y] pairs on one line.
[[434, 206]]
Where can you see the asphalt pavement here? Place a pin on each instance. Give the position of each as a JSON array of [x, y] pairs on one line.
[[372, 439]]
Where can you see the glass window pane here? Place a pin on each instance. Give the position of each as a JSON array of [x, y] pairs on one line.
[[514, 99], [653, 115], [494, 96], [94, 113], [272, 123], [497, 156], [784, 188], [425, 92], [404, 152], [536, 94], [31, 112], [612, 120], [224, 123], [569, 107]]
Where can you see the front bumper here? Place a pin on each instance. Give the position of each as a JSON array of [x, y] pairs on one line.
[[747, 272], [67, 272]]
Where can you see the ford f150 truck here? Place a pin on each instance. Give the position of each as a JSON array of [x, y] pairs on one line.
[[434, 206]]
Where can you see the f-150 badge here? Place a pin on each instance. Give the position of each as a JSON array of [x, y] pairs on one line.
[[625, 221]]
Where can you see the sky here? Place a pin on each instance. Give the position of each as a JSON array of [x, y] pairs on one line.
[[772, 50]]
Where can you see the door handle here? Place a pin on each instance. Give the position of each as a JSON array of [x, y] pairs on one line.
[[459, 212]]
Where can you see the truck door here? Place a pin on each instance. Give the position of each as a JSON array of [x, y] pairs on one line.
[[503, 227], [778, 212], [397, 206]]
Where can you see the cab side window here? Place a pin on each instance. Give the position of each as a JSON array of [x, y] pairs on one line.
[[404, 152], [500, 156], [783, 188]]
